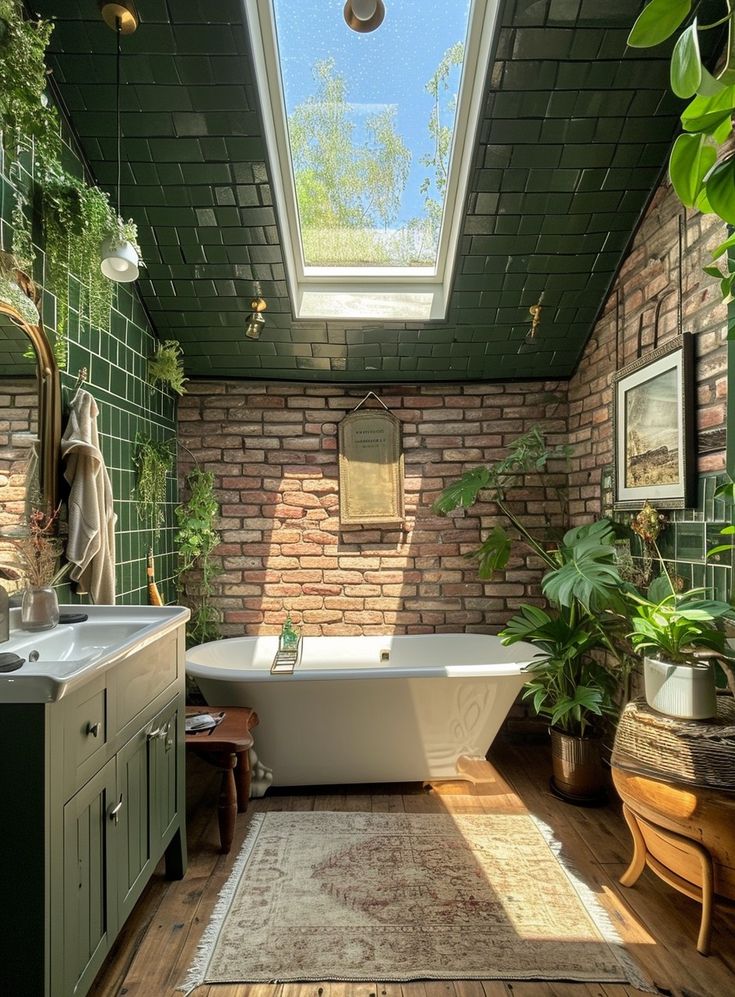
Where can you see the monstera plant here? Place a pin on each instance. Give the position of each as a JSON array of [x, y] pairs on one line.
[[702, 162]]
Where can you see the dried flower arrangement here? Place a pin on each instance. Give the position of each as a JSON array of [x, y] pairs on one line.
[[38, 551]]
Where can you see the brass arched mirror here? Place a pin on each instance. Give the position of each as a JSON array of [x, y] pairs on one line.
[[30, 404]]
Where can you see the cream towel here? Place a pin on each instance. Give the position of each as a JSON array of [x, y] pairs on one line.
[[91, 544]]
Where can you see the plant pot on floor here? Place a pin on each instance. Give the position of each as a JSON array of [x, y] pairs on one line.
[[684, 691], [577, 766]]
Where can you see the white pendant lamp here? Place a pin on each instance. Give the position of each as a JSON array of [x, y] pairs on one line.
[[119, 257]]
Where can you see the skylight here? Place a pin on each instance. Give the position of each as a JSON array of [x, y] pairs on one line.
[[370, 138]]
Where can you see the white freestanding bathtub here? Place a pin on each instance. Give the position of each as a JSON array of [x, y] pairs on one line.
[[367, 709]]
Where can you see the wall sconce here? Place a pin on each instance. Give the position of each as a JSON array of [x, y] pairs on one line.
[[256, 323], [364, 15], [535, 313]]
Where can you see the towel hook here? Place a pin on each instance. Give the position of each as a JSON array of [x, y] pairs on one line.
[[370, 394], [82, 376]]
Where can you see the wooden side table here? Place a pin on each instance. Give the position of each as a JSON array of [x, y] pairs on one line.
[[677, 783], [227, 747]]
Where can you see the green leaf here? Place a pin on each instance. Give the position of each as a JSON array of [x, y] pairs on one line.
[[727, 488], [723, 248], [709, 85], [462, 493], [493, 552], [659, 588], [720, 187], [713, 272], [658, 20], [691, 160], [686, 64], [710, 115], [588, 576], [702, 204]]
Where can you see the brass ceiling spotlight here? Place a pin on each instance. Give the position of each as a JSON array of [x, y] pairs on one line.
[[256, 323], [119, 11], [364, 15]]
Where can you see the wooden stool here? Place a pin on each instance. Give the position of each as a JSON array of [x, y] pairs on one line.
[[226, 747]]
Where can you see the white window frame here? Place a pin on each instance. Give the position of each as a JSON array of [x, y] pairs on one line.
[[393, 293]]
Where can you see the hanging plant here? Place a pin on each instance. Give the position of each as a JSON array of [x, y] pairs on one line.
[[153, 462], [702, 163], [25, 112], [166, 366], [76, 217], [196, 541]]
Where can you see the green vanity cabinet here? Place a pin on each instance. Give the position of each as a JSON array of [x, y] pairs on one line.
[[92, 796]]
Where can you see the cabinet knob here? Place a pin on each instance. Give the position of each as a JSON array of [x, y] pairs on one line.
[[115, 812], [94, 729], [153, 734]]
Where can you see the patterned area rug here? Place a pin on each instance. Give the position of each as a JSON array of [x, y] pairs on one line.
[[391, 897]]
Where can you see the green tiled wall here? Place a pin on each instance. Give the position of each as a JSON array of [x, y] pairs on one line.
[[690, 533], [116, 362]]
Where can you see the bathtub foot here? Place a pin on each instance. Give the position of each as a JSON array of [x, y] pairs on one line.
[[261, 776], [475, 777]]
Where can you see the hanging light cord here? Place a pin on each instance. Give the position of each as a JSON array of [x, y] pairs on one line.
[[118, 25]]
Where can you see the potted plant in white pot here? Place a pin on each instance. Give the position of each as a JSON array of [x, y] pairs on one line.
[[679, 639]]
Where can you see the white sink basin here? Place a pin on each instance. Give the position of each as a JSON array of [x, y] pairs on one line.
[[57, 659]]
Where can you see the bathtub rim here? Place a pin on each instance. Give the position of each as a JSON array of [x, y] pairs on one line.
[[220, 672]]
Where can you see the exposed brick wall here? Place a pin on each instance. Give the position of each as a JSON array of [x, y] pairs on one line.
[[273, 450], [649, 281], [18, 429]]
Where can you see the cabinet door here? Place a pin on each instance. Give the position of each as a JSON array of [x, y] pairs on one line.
[[134, 843], [165, 776], [90, 920]]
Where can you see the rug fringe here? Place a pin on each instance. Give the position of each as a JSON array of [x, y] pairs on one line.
[[205, 949], [597, 912]]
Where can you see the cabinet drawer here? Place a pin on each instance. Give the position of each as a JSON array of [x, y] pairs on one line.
[[86, 731], [135, 683]]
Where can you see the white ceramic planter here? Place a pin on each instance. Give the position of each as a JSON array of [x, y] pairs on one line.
[[683, 691]]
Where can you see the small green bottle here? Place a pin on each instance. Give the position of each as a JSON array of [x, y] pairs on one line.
[[289, 636]]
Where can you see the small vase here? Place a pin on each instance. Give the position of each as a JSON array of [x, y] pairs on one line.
[[39, 609]]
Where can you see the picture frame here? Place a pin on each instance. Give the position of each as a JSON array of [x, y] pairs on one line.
[[653, 429]]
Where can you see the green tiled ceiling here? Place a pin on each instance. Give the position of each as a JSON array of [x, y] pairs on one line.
[[575, 131]]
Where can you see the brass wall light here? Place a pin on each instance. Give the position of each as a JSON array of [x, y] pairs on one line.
[[364, 15], [256, 323], [535, 313]]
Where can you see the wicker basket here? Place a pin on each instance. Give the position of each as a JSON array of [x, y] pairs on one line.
[[698, 752]]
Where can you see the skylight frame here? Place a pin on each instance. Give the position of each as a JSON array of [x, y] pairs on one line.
[[385, 287]]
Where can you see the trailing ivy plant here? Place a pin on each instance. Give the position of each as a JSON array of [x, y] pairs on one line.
[[76, 215], [153, 462], [196, 540], [702, 161], [166, 366], [25, 111]]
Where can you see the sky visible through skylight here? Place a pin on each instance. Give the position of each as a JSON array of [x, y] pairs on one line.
[[368, 153]]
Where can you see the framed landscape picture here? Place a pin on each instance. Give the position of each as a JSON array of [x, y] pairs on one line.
[[653, 428]]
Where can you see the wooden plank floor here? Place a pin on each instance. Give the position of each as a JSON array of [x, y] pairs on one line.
[[659, 926]]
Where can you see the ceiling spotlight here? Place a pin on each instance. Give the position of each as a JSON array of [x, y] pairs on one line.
[[364, 15], [256, 323]]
